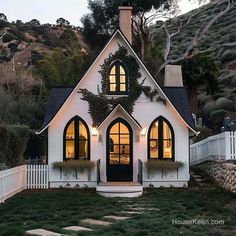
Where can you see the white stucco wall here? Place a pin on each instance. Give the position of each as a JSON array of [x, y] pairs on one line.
[[144, 112]]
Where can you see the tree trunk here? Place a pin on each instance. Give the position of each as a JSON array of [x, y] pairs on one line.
[[193, 98]]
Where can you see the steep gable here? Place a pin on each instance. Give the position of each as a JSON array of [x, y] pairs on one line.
[[168, 96]]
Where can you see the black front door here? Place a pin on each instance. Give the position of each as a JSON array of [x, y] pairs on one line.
[[119, 151]]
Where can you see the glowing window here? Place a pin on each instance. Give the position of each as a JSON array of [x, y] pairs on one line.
[[76, 140], [117, 79], [161, 140]]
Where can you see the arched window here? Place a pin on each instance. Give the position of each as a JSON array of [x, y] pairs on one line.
[[117, 83], [161, 140], [76, 140]]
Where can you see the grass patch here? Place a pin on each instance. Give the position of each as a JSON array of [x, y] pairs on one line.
[[55, 209]]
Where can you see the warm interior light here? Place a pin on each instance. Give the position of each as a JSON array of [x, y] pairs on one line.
[[94, 131], [143, 131]]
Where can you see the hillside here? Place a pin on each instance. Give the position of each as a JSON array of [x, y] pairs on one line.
[[23, 41], [219, 42]]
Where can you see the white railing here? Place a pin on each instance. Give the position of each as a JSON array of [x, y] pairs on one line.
[[12, 181], [218, 147], [37, 176]]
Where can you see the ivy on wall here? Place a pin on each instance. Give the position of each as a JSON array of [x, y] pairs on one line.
[[100, 105]]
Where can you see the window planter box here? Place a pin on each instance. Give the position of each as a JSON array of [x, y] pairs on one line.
[[74, 165], [162, 165]]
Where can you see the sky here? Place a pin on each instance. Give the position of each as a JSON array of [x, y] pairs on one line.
[[48, 11]]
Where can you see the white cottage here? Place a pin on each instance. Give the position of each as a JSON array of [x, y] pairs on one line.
[[119, 118]]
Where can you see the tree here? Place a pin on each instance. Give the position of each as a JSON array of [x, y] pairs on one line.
[[3, 17], [103, 19], [62, 69], [62, 22], [200, 70], [20, 97], [69, 41], [34, 22], [192, 48]]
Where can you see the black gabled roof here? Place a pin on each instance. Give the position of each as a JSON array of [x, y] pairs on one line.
[[179, 98], [57, 97]]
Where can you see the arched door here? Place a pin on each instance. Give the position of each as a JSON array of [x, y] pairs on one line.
[[119, 151]]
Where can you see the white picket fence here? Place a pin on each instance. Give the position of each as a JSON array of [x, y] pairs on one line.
[[218, 147], [37, 176], [16, 179], [12, 181]]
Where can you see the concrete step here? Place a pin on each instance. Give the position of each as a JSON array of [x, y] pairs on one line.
[[120, 189]]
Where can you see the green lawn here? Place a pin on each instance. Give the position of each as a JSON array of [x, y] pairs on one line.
[[55, 209]]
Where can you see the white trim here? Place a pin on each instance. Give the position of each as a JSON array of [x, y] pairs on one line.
[[118, 31], [124, 111]]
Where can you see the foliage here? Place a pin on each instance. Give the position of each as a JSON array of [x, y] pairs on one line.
[[62, 22], [154, 165], [8, 38], [13, 143], [103, 19], [34, 22], [200, 70], [70, 42], [100, 105], [3, 17], [204, 133], [20, 97], [60, 69], [78, 165]]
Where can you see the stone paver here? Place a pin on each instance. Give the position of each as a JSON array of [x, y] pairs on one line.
[[132, 212], [42, 232], [77, 228], [117, 217], [95, 222]]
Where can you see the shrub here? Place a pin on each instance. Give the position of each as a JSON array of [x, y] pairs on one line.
[[204, 133], [13, 143], [225, 103], [8, 38]]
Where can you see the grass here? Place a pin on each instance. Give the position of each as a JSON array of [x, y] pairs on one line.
[[55, 209]]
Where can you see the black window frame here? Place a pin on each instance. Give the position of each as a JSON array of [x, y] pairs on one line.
[[76, 139], [118, 64], [160, 140]]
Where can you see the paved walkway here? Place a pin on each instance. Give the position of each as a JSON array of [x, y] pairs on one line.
[[131, 211]]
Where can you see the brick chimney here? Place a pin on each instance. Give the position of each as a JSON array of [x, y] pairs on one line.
[[125, 14], [173, 76]]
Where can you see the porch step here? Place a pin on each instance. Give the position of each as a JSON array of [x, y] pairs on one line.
[[120, 189]]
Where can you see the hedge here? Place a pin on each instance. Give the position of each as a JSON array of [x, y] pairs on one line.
[[13, 143]]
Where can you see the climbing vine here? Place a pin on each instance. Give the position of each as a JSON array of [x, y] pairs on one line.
[[99, 104]]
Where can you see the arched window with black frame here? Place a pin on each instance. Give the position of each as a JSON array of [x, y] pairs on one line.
[[76, 140], [161, 140], [118, 80]]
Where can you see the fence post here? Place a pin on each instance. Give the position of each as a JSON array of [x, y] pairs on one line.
[[228, 145]]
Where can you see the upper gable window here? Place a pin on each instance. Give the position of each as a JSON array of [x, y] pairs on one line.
[[117, 79]]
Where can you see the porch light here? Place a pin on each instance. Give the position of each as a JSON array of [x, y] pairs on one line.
[[94, 131], [143, 131]]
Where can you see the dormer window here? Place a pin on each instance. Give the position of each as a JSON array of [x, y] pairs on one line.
[[117, 79]]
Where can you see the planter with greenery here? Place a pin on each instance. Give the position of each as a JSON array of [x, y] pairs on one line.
[[161, 165], [74, 165]]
